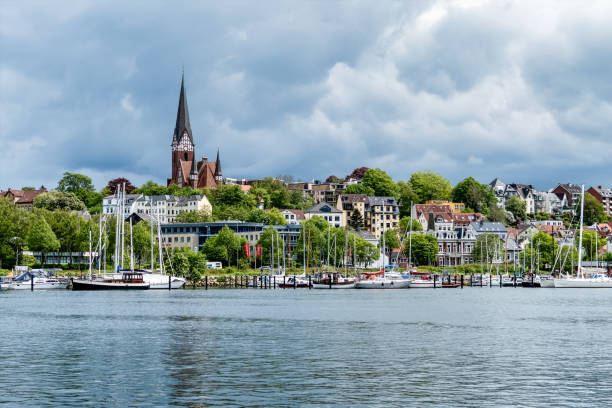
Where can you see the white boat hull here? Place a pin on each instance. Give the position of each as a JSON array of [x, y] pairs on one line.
[[27, 285], [333, 286], [547, 283], [424, 284], [583, 283], [383, 284]]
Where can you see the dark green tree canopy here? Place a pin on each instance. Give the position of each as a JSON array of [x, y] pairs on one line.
[[73, 182], [479, 197], [57, 200], [379, 181], [359, 189], [517, 207], [430, 186]]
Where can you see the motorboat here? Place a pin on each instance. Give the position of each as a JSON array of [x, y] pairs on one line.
[[42, 279], [547, 282], [126, 281], [422, 280], [532, 281], [382, 280], [334, 281]]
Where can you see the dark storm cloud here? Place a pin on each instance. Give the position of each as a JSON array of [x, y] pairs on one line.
[[501, 89]]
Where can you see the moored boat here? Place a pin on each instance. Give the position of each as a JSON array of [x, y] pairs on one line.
[[42, 280], [128, 280], [294, 282], [382, 280], [334, 281]]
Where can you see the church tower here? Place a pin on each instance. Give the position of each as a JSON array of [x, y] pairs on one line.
[[183, 160]]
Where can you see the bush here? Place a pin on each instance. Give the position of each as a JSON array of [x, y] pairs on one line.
[[4, 272]]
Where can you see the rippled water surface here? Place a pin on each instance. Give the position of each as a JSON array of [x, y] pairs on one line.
[[485, 347]]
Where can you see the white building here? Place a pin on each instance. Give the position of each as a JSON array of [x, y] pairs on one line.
[[166, 206], [331, 214], [293, 217]]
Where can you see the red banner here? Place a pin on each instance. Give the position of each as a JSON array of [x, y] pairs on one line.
[[349, 252], [246, 250], [259, 251]]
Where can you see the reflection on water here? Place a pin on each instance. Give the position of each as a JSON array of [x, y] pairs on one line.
[[473, 347]]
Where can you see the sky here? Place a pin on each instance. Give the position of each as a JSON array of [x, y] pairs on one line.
[[518, 90]]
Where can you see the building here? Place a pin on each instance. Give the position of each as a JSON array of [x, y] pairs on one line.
[[186, 169], [23, 199], [482, 227], [604, 196], [382, 213], [194, 235], [548, 202], [319, 192], [331, 214], [455, 207], [571, 192], [293, 217], [348, 203], [167, 207]]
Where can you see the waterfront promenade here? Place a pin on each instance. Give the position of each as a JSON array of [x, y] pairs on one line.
[[473, 347]]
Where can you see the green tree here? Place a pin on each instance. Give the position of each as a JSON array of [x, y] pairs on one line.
[[379, 181], [66, 226], [359, 189], [404, 225], [274, 217], [591, 242], [232, 195], [424, 249], [593, 210], [177, 263], [269, 237], [41, 237], [498, 214], [356, 221], [193, 217], [224, 247], [430, 186], [407, 198], [474, 195], [14, 228], [391, 241], [141, 239], [260, 195], [56, 200], [313, 234], [517, 207], [73, 182]]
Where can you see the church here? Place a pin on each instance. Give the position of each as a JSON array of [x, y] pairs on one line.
[[186, 169]]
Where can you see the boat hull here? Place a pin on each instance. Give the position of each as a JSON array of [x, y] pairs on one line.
[[547, 283], [339, 285], [375, 284], [37, 286], [83, 284], [583, 283]]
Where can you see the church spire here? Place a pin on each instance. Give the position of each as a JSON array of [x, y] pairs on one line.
[[194, 174], [182, 116], [218, 176]]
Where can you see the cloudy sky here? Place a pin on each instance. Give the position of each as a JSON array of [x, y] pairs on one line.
[[513, 89]]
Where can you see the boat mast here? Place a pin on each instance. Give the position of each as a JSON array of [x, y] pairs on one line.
[[410, 239], [89, 253], [159, 242], [131, 248], [304, 244], [383, 236], [99, 244], [328, 236], [152, 236], [580, 242], [116, 257]]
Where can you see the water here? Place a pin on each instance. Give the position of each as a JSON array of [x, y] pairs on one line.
[[472, 347]]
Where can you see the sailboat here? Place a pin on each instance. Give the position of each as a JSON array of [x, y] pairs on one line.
[[333, 280], [159, 280], [580, 281], [117, 281], [382, 279]]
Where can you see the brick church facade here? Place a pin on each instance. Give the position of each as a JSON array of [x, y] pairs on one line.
[[186, 169]]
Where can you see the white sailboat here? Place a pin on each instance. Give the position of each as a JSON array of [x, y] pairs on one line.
[[42, 280], [382, 279], [580, 281]]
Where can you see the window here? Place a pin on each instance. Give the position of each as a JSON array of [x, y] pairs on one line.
[[182, 239], [188, 239]]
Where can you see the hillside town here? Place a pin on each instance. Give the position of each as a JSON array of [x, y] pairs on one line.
[[424, 220]]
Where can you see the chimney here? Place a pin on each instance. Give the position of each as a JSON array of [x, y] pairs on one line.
[[430, 222]]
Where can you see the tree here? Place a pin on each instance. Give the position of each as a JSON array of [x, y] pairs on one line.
[[141, 238], [474, 195], [193, 217], [14, 228], [114, 184], [41, 237], [379, 181], [356, 220], [430, 186], [260, 195], [517, 207], [73, 182], [424, 249], [488, 248], [404, 225], [231, 194], [269, 237], [150, 188], [333, 179], [66, 226], [407, 198], [56, 200], [280, 198], [593, 210], [274, 217], [359, 189], [177, 263], [543, 245], [391, 241], [498, 214], [224, 247], [357, 174], [313, 232], [591, 242]]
